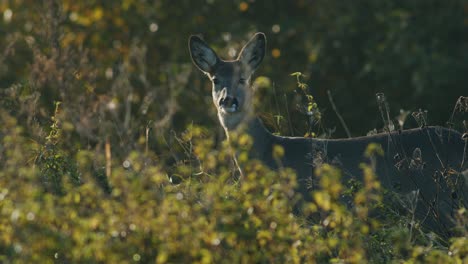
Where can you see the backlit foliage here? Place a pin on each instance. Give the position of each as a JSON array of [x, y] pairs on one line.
[[110, 152], [206, 218]]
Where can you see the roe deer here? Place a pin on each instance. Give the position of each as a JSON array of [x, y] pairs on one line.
[[426, 161]]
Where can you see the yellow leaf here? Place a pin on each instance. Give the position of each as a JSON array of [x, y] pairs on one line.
[[276, 53], [243, 6], [98, 13]]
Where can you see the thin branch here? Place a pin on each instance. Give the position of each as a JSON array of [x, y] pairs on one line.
[[289, 116], [330, 98]]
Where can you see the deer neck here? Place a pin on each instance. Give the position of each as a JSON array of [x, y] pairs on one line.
[[260, 137]]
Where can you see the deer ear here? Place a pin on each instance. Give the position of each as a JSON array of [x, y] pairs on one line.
[[202, 55], [253, 52]]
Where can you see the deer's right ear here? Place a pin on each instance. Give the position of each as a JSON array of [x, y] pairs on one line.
[[202, 55]]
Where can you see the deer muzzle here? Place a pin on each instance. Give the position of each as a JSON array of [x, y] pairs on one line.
[[229, 104]]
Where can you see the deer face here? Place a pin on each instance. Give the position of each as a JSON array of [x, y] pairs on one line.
[[232, 92]]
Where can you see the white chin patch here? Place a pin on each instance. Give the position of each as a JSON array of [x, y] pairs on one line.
[[232, 109]]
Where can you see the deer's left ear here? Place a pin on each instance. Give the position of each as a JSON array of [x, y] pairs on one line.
[[253, 52]]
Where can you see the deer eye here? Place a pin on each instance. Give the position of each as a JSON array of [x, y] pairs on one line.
[[242, 81]]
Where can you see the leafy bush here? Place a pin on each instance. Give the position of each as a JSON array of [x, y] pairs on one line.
[[100, 161], [205, 218]]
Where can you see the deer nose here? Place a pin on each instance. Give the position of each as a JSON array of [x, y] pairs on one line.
[[228, 101]]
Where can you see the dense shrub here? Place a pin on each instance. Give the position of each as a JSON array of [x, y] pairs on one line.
[[205, 218], [109, 152]]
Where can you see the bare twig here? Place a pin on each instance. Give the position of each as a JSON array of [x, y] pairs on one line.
[[330, 98], [108, 158], [289, 116]]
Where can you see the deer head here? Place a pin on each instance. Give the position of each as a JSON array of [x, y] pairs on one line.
[[232, 92]]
